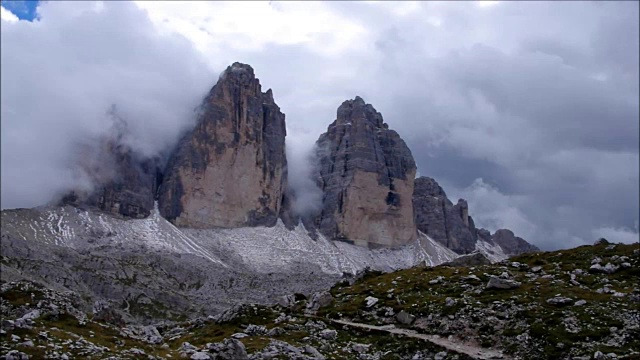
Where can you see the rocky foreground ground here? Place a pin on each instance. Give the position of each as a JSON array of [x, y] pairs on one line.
[[582, 303]]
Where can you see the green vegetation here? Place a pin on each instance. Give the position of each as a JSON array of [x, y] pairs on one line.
[[554, 329]]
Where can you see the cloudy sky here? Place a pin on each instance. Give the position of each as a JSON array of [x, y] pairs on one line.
[[529, 110]]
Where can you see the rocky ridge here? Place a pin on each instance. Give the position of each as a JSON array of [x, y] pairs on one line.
[[162, 271], [452, 226]]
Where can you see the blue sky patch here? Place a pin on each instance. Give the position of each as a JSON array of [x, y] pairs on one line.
[[23, 9]]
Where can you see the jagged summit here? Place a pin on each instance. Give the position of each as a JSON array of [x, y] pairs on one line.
[[238, 74], [230, 171], [357, 110], [238, 67], [366, 172], [452, 226]]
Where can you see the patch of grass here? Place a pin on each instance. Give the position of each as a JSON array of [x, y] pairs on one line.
[[17, 297]]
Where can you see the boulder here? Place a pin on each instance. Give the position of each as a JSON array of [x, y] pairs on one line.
[[328, 334], [607, 269], [232, 349], [405, 318], [200, 356], [319, 300], [502, 284], [601, 241], [370, 301], [559, 301], [287, 301]]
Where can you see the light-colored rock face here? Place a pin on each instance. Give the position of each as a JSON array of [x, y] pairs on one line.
[[366, 172], [230, 171], [224, 194], [368, 218]]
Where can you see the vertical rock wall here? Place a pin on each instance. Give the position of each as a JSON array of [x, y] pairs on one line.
[[230, 171], [366, 172]]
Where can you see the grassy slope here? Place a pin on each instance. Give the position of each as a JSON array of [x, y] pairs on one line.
[[520, 310]]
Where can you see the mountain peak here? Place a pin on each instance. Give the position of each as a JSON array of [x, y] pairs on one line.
[[238, 67], [358, 111], [367, 175], [230, 171]]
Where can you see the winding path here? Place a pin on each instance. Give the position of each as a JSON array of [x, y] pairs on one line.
[[470, 350]]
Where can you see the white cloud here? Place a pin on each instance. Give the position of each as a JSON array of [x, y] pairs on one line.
[[494, 210], [487, 3], [7, 15], [61, 74], [300, 160], [253, 25]]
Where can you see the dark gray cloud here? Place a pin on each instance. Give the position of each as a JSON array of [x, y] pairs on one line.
[[551, 120], [529, 110]]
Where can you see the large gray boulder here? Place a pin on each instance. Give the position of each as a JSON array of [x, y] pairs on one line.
[[230, 170], [502, 284], [366, 172], [232, 349], [319, 300]]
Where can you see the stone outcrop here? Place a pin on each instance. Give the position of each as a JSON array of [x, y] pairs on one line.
[[366, 172], [512, 244], [438, 217], [452, 226], [230, 170]]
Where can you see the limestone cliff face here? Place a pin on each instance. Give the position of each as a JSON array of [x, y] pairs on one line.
[[439, 218], [230, 170], [131, 193], [451, 224], [366, 172], [124, 182]]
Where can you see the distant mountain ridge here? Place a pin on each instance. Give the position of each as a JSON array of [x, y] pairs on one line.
[[230, 171], [452, 226]]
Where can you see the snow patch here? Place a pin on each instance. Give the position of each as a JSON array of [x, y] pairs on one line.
[[492, 251], [261, 249]]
